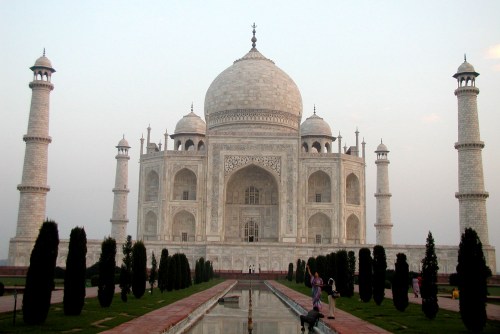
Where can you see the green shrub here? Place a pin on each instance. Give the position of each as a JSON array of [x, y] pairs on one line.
[[430, 268], [289, 276], [107, 263], [40, 276], [365, 277], [400, 283], [472, 277], [125, 278], [139, 273], [379, 268], [76, 265], [162, 270]]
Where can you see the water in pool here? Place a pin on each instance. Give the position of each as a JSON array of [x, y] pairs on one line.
[[257, 311]]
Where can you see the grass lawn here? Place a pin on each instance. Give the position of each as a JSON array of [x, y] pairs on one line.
[[94, 318], [386, 316]]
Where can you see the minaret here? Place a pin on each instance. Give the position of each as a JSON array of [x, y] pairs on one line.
[[383, 225], [33, 188], [119, 219], [471, 194]]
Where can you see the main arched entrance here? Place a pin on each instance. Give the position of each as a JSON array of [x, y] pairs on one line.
[[251, 209]]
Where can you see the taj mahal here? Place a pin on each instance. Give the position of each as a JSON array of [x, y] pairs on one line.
[[254, 181]]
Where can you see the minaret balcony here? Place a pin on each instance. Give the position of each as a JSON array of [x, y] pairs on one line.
[[469, 145], [472, 195]]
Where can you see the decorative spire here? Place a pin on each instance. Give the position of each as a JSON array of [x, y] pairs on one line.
[[465, 57], [253, 38], [315, 109], [191, 106], [44, 52]]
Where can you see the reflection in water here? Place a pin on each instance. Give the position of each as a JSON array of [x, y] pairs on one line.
[[258, 311]]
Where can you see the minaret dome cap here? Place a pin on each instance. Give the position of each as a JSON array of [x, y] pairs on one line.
[[381, 148], [466, 68], [123, 143]]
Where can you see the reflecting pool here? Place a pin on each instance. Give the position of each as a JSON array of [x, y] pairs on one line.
[[257, 311]]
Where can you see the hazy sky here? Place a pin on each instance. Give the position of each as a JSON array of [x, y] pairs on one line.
[[384, 67]]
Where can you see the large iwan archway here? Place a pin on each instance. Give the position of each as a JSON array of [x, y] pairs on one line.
[[251, 208]]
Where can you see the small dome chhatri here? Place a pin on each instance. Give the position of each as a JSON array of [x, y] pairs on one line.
[[465, 68], [123, 143], [381, 148], [315, 126], [190, 124], [43, 62]]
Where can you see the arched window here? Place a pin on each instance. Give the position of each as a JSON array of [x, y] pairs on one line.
[[152, 186], [183, 228], [150, 227], [185, 185], [201, 146], [352, 191], [305, 148], [319, 187], [319, 229], [189, 146], [251, 231], [352, 229], [251, 195], [317, 146]]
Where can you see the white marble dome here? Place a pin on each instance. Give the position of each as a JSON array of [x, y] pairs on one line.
[[123, 143], [382, 148], [190, 124], [253, 83], [466, 68], [315, 126], [43, 62]]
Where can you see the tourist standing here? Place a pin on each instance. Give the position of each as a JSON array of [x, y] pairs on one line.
[[331, 290], [316, 283]]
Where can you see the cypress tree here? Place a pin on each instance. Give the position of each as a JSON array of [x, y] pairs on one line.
[[430, 268], [40, 276], [162, 270], [139, 272], [342, 272], [171, 272], [297, 272], [365, 278], [107, 263], [472, 275], [321, 266], [351, 269], [289, 276], [76, 265], [188, 271], [126, 269], [179, 273], [400, 283], [206, 271], [153, 273], [379, 268]]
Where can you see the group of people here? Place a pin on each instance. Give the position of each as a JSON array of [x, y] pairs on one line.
[[312, 317]]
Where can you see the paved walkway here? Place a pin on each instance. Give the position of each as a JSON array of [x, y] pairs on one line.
[[492, 310], [7, 302], [171, 315]]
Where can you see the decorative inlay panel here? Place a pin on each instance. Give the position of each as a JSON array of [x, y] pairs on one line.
[[232, 162]]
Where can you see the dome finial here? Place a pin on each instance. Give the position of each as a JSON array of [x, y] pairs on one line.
[[191, 106], [254, 39], [465, 57], [315, 109], [44, 52]]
